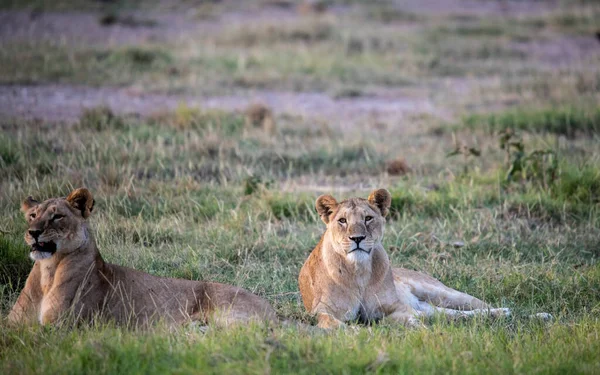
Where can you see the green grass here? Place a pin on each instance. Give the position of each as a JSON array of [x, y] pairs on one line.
[[168, 213], [567, 121], [469, 348], [40, 62]]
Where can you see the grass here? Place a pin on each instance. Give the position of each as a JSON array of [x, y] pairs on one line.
[[466, 348], [527, 249], [567, 121], [303, 55], [193, 193], [42, 62]]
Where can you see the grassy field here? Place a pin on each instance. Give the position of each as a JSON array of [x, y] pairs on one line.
[[502, 200]]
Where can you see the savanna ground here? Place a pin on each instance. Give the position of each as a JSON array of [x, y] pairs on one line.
[[481, 117]]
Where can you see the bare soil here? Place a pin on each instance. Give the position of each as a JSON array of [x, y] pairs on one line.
[[65, 103]]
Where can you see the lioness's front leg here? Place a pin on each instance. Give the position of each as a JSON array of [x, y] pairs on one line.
[[25, 309], [333, 315], [328, 321], [60, 302], [404, 314], [409, 320], [53, 307]]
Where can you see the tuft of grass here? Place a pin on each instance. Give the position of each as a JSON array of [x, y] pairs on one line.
[[579, 185], [567, 121], [100, 119], [287, 206]]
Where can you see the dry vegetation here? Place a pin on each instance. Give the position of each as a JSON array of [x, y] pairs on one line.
[[506, 162]]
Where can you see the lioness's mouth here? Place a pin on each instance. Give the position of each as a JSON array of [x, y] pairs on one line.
[[359, 249], [47, 247]]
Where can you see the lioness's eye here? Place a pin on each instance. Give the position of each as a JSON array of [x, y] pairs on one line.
[[368, 218], [342, 221], [57, 217], [32, 215]]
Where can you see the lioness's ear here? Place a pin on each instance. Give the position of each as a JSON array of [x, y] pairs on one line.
[[28, 203], [82, 200], [382, 199], [325, 205]]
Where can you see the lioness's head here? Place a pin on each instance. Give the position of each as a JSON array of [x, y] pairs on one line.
[[57, 225], [355, 225]]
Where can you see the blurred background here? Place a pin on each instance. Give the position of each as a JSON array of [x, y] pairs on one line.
[[386, 63]]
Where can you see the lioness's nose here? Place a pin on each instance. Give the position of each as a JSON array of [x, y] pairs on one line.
[[35, 233], [357, 239]]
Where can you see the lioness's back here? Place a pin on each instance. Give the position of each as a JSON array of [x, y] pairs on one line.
[[179, 299]]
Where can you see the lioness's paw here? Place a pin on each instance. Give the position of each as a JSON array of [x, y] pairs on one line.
[[500, 312], [198, 326], [542, 316], [413, 322], [351, 329]]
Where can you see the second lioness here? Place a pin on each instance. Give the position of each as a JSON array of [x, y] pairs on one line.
[[70, 279], [348, 275]]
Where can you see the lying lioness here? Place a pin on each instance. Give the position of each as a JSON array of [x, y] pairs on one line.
[[69, 278], [348, 275]]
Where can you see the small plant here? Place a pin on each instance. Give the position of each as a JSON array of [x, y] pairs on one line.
[[398, 167], [539, 166]]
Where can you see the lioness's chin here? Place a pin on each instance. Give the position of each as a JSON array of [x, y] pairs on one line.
[[359, 256], [39, 255]]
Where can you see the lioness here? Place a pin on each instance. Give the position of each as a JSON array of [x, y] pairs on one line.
[[348, 274], [70, 277]]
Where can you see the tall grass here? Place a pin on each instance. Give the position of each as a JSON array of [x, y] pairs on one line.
[[565, 121]]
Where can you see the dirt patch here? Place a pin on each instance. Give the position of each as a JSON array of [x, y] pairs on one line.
[[131, 27], [85, 27], [474, 7], [65, 103]]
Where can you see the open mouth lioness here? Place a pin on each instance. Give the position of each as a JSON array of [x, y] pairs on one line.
[[70, 279]]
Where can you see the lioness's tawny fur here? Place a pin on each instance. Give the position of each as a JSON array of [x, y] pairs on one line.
[[348, 275], [70, 278]]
